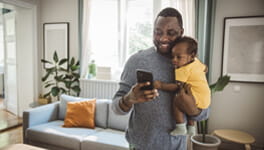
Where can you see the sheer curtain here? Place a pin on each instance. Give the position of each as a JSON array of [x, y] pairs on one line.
[[187, 9], [86, 51]]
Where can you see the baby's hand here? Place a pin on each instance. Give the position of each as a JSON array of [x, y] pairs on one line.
[[157, 84]]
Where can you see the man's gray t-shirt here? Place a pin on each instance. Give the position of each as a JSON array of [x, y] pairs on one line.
[[150, 123]]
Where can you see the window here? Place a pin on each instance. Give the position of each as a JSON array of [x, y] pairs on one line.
[[119, 28]]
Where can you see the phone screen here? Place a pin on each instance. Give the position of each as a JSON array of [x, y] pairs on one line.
[[145, 76]]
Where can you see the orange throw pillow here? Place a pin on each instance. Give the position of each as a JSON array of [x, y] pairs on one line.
[[80, 114]]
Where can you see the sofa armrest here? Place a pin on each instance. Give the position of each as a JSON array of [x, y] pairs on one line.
[[39, 115]]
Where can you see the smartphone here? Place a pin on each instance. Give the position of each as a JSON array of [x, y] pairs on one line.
[[145, 76]]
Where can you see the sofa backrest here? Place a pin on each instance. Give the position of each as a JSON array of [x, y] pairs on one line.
[[115, 121], [101, 109], [104, 115]]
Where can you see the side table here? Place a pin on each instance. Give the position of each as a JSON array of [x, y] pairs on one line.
[[235, 136]]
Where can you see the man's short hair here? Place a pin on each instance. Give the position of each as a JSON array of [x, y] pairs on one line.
[[191, 44], [171, 12]]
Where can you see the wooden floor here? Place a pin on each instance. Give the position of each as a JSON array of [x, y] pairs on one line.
[[10, 127], [1, 103], [8, 120], [11, 136]]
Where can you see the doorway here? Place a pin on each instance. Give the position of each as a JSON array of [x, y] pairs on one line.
[[19, 55]]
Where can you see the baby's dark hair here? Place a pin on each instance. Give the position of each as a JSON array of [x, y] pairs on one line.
[[192, 44], [171, 12]]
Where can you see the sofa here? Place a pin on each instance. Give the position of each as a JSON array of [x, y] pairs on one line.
[[42, 126]]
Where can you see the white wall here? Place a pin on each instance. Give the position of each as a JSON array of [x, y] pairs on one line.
[[62, 11], [30, 1], [59, 11], [242, 110]]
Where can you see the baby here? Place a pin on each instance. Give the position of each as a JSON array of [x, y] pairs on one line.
[[188, 69]]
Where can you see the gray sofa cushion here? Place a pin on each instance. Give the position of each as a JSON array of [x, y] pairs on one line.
[[105, 140], [115, 121], [101, 112], [100, 109], [53, 133]]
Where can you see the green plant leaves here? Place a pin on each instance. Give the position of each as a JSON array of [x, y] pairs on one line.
[[59, 78], [45, 61], [63, 69], [62, 61], [74, 67], [63, 90], [76, 75], [62, 80], [76, 89], [72, 61], [220, 84], [55, 57], [46, 76], [48, 85], [55, 91]]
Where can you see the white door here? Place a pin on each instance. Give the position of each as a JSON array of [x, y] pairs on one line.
[[11, 94], [25, 58]]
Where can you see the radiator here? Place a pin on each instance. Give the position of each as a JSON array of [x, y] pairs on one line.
[[100, 89]]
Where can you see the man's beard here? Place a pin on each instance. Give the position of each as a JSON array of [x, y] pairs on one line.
[[163, 51]]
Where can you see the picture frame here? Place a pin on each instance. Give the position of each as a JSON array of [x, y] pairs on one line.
[[55, 37], [243, 49]]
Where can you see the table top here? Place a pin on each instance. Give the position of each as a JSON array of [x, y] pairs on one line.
[[22, 147], [235, 136]]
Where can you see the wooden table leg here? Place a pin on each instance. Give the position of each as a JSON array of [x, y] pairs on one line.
[[247, 147]]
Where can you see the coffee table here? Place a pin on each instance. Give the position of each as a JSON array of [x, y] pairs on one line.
[[22, 147]]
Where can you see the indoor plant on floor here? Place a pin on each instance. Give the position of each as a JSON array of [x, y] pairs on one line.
[[203, 141], [61, 78]]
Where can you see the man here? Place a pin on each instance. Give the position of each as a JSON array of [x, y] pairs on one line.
[[151, 117]]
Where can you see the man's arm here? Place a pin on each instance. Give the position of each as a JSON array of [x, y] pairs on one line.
[[135, 95], [124, 104], [118, 105]]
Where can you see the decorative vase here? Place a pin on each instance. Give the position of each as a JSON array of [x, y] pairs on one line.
[[211, 142], [92, 69]]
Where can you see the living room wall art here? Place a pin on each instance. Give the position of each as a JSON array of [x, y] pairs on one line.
[[243, 48], [56, 38]]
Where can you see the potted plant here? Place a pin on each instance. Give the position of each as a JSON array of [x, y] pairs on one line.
[[59, 79], [71, 78], [42, 100], [203, 141]]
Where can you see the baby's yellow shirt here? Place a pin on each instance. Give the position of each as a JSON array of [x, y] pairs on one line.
[[194, 75]]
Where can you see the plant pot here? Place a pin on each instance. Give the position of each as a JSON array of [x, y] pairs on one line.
[[211, 142], [43, 101]]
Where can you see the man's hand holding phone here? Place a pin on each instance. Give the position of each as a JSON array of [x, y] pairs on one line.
[[143, 90], [144, 76]]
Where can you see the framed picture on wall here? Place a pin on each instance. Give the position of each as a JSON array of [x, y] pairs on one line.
[[243, 48], [56, 38]]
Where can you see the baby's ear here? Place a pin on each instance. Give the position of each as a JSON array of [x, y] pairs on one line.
[[206, 68], [193, 55]]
